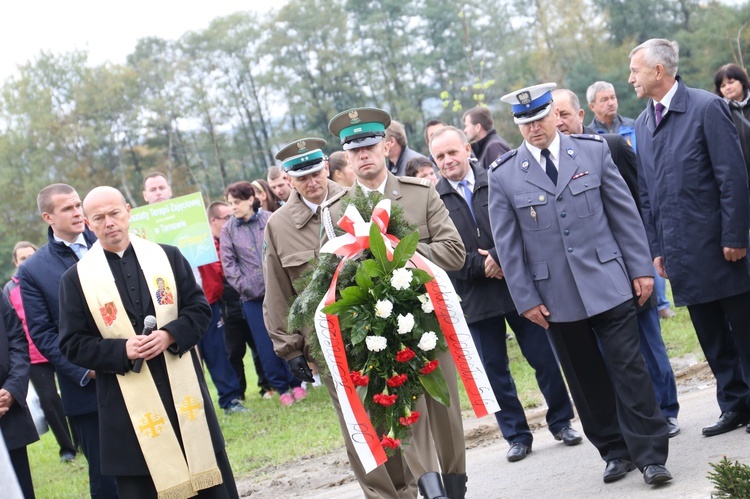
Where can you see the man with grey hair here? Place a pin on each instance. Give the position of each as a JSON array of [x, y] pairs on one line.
[[694, 197], [602, 101]]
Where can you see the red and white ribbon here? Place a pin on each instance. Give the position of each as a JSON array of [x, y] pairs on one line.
[[447, 310]]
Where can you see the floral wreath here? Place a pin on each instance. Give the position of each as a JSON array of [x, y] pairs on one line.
[[387, 322]]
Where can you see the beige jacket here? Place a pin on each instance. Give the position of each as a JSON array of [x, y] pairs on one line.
[[292, 240]]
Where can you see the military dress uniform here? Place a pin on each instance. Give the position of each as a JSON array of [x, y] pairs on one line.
[[575, 246], [440, 242]]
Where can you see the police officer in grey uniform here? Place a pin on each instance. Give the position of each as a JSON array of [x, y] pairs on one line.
[[574, 251]]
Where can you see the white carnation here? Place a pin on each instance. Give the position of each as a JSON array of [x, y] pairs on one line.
[[427, 307], [428, 341], [383, 309], [376, 343], [405, 323], [401, 278]]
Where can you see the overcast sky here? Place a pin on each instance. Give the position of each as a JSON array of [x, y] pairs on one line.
[[107, 30]]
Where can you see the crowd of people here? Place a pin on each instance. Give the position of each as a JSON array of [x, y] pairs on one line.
[[567, 239]]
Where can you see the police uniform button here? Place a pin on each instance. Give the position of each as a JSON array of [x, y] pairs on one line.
[[563, 215], [541, 198], [614, 251], [534, 274], [528, 200], [585, 184], [559, 198], [570, 250], [566, 232]]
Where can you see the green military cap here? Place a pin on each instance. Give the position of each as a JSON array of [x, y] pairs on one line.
[[303, 157], [360, 127]]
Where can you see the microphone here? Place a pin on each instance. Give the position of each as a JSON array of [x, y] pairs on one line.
[[149, 323]]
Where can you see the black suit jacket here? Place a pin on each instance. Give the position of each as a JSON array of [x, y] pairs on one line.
[[481, 297], [81, 342], [625, 160], [17, 426]]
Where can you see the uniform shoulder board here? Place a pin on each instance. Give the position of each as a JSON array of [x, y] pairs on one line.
[[415, 181], [335, 198], [502, 159], [587, 136]]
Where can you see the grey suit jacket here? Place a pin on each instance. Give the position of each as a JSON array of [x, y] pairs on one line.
[[574, 247]]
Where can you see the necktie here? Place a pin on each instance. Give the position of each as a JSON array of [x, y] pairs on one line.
[[78, 249], [468, 196], [658, 109], [549, 166]]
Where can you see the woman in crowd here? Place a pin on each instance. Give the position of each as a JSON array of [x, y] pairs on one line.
[[241, 251], [269, 201], [732, 83], [42, 372]]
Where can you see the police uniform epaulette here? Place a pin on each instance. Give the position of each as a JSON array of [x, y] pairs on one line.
[[416, 181], [502, 159], [587, 136], [333, 199]]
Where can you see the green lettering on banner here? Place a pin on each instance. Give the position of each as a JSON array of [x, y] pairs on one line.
[[181, 222]]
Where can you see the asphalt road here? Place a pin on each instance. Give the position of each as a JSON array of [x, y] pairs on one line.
[[555, 471]]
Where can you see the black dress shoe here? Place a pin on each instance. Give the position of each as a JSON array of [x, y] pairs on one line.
[[569, 436], [654, 474], [517, 452], [674, 427], [727, 422], [617, 469]]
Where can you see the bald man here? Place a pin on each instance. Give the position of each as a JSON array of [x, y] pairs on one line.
[[157, 422]]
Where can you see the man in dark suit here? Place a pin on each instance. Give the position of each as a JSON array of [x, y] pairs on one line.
[[486, 144], [487, 304], [156, 424], [569, 121], [16, 426], [694, 198], [68, 240], [574, 252]]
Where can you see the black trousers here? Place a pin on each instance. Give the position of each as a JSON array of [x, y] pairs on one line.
[[43, 378], [86, 427], [19, 458], [615, 400], [142, 487], [723, 330], [236, 335]]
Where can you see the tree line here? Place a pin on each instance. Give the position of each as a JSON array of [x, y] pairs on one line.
[[215, 105]]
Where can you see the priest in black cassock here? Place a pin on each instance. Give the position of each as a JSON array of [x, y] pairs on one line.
[[156, 424]]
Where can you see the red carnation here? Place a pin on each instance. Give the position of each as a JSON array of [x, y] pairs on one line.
[[410, 419], [384, 400], [359, 379], [396, 380], [429, 367], [405, 355], [391, 443]]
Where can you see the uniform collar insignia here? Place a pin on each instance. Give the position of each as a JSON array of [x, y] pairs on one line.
[[525, 165]]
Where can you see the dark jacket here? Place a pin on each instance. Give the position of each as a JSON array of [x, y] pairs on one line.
[[481, 297], [40, 284], [491, 147], [694, 195], [17, 427], [741, 119], [399, 168], [624, 158], [81, 342]]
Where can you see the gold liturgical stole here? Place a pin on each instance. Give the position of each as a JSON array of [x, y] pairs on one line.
[[174, 476]]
